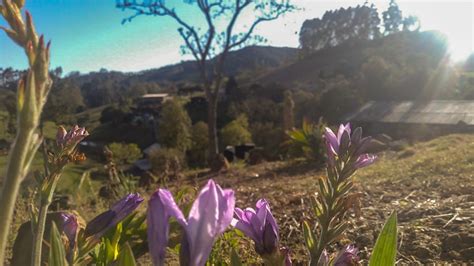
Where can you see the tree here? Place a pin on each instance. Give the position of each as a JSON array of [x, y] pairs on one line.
[[200, 142], [216, 39], [236, 132], [392, 18], [174, 126], [124, 153], [339, 26], [288, 111]]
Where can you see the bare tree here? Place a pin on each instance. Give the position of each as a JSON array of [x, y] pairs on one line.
[[218, 37]]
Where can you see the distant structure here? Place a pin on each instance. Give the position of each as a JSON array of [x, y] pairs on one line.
[[415, 120], [152, 103], [190, 90]]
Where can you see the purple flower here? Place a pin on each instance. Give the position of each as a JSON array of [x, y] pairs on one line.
[[71, 138], [343, 143], [334, 141], [108, 219], [347, 256], [209, 217], [69, 227], [364, 160], [259, 225]]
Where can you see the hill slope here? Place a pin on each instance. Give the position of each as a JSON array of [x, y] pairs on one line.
[[247, 59]]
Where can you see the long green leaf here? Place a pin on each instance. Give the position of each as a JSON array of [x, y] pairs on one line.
[[310, 239], [126, 257], [57, 254], [385, 250], [235, 259]]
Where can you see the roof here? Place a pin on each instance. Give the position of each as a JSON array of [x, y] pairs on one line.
[[155, 95], [411, 112], [152, 148]]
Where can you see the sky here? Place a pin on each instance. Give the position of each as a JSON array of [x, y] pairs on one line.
[[87, 35]]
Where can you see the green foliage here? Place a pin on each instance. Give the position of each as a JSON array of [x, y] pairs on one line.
[[198, 154], [309, 139], [235, 259], [112, 114], [309, 238], [4, 130], [125, 152], [385, 250], [64, 100], [236, 132], [339, 99], [268, 136], [224, 251], [339, 26], [126, 257], [288, 111], [392, 18], [57, 253], [122, 244], [174, 126], [167, 162]]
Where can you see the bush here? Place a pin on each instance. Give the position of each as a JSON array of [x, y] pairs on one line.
[[308, 139], [174, 126], [198, 154], [269, 137], [125, 152], [236, 132], [112, 114], [167, 162]]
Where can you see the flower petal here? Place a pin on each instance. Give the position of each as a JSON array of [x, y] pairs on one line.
[[161, 207], [210, 215]]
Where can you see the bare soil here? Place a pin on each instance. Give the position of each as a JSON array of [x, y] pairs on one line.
[[431, 190]]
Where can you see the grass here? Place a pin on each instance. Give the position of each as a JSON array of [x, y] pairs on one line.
[[448, 156]]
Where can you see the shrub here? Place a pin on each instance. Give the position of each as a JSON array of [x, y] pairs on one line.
[[269, 137], [174, 126], [125, 152], [113, 115], [236, 132], [167, 162], [309, 140], [198, 154]]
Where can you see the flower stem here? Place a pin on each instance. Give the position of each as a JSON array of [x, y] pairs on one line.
[[16, 170], [43, 213]]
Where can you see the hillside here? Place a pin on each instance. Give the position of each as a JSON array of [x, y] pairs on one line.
[[347, 59], [248, 59]]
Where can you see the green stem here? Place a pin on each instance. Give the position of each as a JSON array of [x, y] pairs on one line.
[[325, 226], [43, 213], [14, 176]]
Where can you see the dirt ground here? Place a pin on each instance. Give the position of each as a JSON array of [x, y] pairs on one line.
[[434, 203]]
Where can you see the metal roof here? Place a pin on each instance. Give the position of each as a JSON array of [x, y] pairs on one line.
[[411, 112], [155, 95]]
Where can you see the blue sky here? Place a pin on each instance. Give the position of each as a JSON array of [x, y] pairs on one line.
[[88, 35]]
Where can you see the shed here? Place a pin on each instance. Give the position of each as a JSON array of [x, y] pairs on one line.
[[418, 119]]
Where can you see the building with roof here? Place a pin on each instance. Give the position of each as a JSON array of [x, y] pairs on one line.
[[152, 102], [413, 119]]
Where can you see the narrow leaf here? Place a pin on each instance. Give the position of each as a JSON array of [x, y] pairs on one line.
[[309, 237], [385, 250], [235, 259], [126, 257], [57, 254]]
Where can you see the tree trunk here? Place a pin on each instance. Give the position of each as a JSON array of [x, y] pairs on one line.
[[212, 127]]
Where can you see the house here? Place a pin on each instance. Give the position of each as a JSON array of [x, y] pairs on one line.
[[152, 103], [415, 119]]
